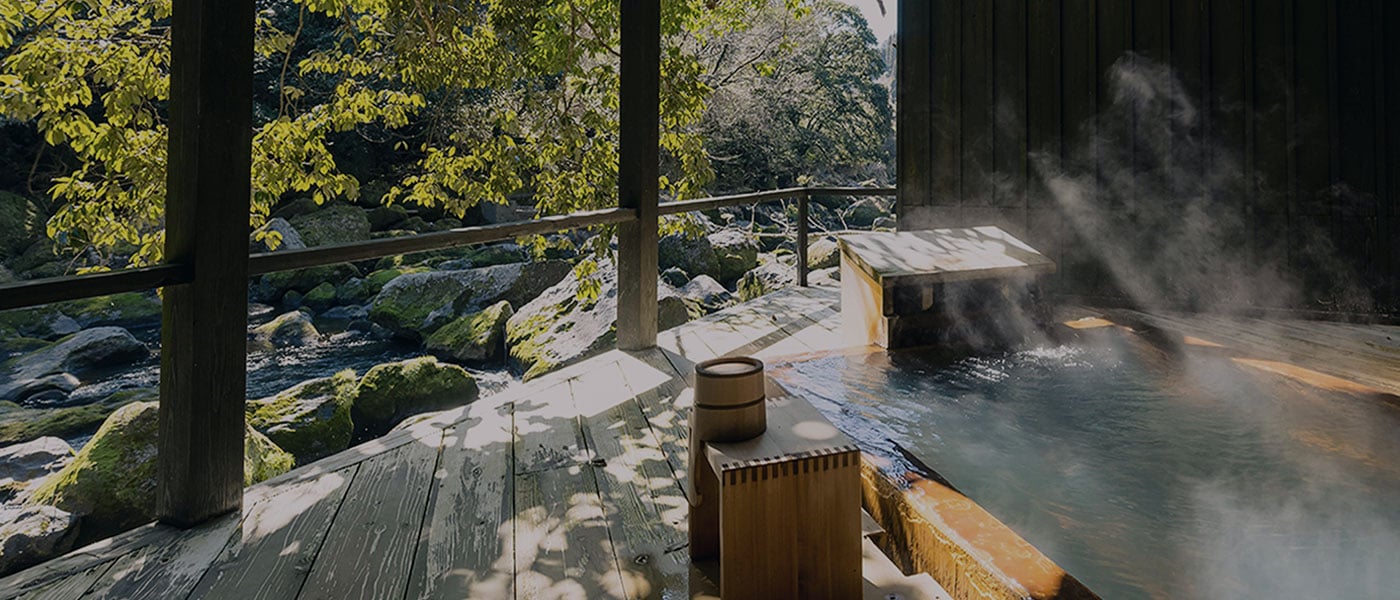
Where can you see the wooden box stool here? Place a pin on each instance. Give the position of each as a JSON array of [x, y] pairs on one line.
[[787, 523]]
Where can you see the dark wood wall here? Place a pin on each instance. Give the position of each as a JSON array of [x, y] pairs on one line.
[[1295, 143]]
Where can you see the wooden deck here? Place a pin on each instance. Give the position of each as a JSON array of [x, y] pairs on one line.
[[568, 486]]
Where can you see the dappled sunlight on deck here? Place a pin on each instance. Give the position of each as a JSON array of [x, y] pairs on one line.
[[569, 486]]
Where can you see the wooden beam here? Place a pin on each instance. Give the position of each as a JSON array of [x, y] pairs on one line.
[[638, 154], [203, 326], [57, 289], [913, 108]]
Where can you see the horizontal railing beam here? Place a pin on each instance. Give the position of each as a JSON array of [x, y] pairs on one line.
[[36, 292], [286, 260], [75, 287]]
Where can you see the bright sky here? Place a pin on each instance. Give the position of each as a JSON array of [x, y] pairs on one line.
[[882, 25]]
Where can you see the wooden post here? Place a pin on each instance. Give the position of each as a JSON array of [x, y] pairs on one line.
[[638, 170], [203, 325], [913, 110], [802, 201]]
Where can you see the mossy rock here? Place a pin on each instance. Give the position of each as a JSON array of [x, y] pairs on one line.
[[477, 337], [320, 297], [275, 285], [340, 224], [289, 329], [19, 424], [123, 310], [11, 343], [392, 391], [736, 252], [386, 218], [311, 420], [413, 306], [694, 255], [497, 254], [21, 223], [44, 322], [112, 480], [823, 253], [776, 272]]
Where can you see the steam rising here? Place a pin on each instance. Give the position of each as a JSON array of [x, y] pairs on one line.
[[1161, 206]]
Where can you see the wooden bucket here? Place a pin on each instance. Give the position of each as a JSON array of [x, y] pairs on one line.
[[729, 395]]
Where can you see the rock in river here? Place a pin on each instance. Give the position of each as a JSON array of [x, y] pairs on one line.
[[477, 337], [287, 330], [392, 391], [310, 420], [111, 483], [416, 304], [88, 351]]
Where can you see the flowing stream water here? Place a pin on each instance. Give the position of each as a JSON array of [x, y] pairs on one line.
[[1142, 473]]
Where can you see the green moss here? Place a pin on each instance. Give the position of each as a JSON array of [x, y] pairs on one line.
[[392, 391], [262, 459], [14, 343], [112, 480], [311, 420], [117, 309], [474, 337], [305, 280], [320, 297], [23, 424]]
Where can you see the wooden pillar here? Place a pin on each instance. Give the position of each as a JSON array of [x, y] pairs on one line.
[[913, 111], [203, 326], [638, 170]]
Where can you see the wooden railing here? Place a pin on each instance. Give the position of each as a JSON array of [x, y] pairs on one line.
[[75, 287]]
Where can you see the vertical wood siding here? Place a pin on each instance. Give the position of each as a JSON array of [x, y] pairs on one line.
[[1303, 94]]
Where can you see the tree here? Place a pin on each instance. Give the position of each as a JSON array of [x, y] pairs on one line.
[[479, 98], [817, 112]]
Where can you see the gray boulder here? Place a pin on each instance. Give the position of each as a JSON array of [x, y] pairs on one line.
[[674, 277], [477, 337], [337, 224], [828, 277], [32, 534], [823, 253], [694, 255], [86, 352], [707, 293], [274, 236], [776, 272], [559, 327], [863, 213], [736, 252], [415, 305], [288, 330], [24, 463]]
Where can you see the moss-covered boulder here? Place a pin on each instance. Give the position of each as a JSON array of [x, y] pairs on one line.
[[386, 218], [497, 254], [111, 483], [707, 294], [337, 224], [21, 223], [288, 330], [692, 254], [863, 213], [413, 306], [320, 297], [132, 309], [311, 420], [776, 272], [474, 338], [43, 322], [823, 253], [736, 252], [275, 285], [559, 327], [359, 290], [19, 424], [392, 391]]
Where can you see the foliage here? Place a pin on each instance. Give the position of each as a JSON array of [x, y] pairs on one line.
[[480, 99], [798, 101]]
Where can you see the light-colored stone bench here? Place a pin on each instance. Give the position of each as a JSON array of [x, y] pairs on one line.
[[914, 288]]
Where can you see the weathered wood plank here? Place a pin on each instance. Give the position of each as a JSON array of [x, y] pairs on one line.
[[978, 104], [370, 546], [79, 560], [644, 504], [946, 109], [269, 556], [913, 136], [547, 433], [466, 549], [562, 545], [168, 570], [73, 586], [1010, 117], [665, 399]]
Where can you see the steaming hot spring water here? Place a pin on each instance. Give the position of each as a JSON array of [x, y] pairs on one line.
[[1146, 474]]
